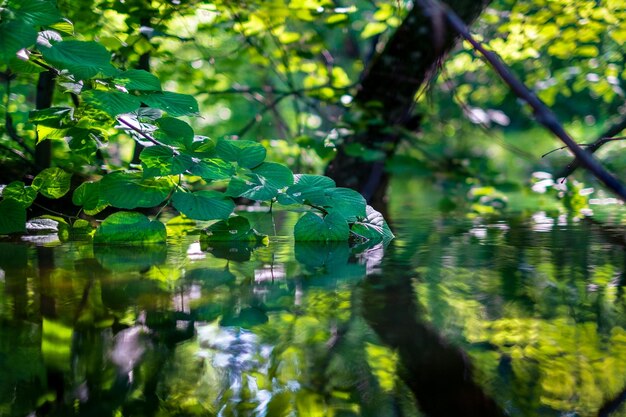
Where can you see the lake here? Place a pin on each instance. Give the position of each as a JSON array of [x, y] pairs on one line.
[[520, 315]]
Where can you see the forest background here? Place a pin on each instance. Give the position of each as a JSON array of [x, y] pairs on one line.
[[359, 92]]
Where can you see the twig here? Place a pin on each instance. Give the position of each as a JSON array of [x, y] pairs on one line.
[[141, 132], [542, 113], [591, 147], [613, 130]]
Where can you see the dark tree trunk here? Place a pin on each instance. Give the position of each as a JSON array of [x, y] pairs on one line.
[[142, 64], [45, 93], [387, 93]]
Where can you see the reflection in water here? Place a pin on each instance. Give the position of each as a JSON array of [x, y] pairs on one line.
[[454, 318]]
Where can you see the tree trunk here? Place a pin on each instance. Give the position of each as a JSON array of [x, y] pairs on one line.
[[387, 93], [45, 93]]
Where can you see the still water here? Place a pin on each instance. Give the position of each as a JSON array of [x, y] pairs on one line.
[[521, 315]]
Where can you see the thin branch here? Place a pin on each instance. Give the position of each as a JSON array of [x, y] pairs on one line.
[[255, 120], [141, 132], [542, 113], [613, 130]]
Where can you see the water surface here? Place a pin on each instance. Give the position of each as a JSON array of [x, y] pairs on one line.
[[520, 315]]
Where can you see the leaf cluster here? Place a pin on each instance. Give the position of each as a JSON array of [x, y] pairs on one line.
[[174, 161]]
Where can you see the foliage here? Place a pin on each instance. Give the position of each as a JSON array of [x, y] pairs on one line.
[[180, 168]]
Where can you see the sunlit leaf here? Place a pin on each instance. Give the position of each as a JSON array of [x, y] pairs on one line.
[[263, 183], [246, 153], [306, 187], [82, 59], [163, 160], [112, 102], [130, 228], [173, 103], [139, 80], [89, 196], [20, 193], [213, 169], [128, 190], [174, 132], [52, 182]]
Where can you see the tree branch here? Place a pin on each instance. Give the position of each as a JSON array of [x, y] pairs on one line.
[[542, 113], [605, 137]]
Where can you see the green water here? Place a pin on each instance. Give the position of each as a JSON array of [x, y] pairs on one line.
[[520, 315]]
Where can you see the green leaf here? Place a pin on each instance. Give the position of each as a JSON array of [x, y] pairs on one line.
[[246, 153], [306, 187], [12, 217], [82, 144], [129, 190], [82, 59], [173, 103], [203, 205], [57, 117], [20, 193], [235, 229], [52, 182], [112, 102], [343, 201], [213, 169], [174, 132], [311, 227], [139, 80], [373, 227], [89, 196], [35, 12], [158, 161], [263, 184], [15, 35], [129, 228]]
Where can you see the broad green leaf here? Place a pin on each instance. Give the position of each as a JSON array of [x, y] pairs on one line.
[[63, 26], [344, 201], [15, 35], [112, 102], [20, 193], [203, 205], [52, 182], [139, 80], [35, 12], [82, 59], [174, 132], [12, 217], [306, 187], [373, 227], [236, 228], [82, 144], [129, 190], [173, 103], [213, 169], [263, 183], [130, 228], [311, 227], [158, 161], [246, 153], [89, 196], [57, 117], [203, 147]]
